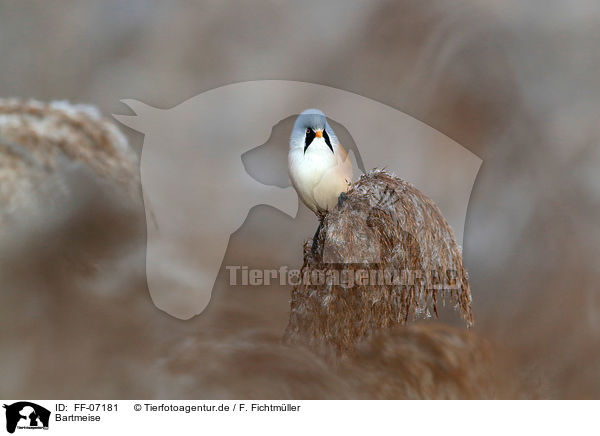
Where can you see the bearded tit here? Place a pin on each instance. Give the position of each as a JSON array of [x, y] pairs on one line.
[[319, 167]]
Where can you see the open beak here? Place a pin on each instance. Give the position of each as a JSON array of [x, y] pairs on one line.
[[319, 133]]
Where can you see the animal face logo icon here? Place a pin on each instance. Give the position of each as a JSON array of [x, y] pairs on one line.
[[198, 191], [25, 414]]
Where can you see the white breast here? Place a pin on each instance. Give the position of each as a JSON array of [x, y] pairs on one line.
[[319, 175]]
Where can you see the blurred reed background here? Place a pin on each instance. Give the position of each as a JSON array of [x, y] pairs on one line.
[[516, 82]]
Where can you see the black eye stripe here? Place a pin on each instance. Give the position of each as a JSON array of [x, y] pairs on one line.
[[310, 135], [327, 141]]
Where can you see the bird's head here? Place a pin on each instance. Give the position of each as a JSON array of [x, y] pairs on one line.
[[312, 126]]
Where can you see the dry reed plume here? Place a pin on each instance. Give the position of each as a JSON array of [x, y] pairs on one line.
[[417, 361], [42, 142], [429, 361], [384, 225]]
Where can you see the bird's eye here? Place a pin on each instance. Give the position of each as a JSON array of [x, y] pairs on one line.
[[307, 131]]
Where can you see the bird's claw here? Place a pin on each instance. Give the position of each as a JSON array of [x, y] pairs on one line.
[[343, 197]]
